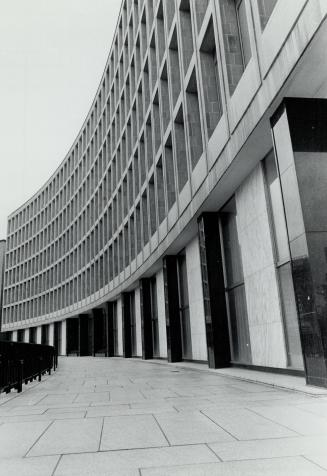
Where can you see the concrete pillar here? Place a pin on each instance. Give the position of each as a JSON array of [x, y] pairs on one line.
[[299, 132], [120, 326], [195, 299], [138, 324], [26, 335], [51, 334], [14, 336], [63, 339], [39, 334], [161, 315]]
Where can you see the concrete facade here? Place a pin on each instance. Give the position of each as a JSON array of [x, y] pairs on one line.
[[180, 127]]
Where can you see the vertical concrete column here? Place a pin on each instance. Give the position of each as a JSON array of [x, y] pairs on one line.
[[39, 334], [161, 314], [138, 323], [26, 335], [146, 318], [120, 338], [216, 321], [51, 334], [173, 323], [126, 325], [299, 131], [63, 338], [14, 336]]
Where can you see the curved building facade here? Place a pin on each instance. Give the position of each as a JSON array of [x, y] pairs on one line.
[[186, 221]]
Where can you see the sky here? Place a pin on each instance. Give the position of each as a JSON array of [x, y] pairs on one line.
[[52, 56]]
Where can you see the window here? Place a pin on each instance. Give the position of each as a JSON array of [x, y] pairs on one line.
[[266, 8], [236, 39], [243, 32]]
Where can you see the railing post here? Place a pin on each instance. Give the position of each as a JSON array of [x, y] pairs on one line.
[[20, 376], [23, 362]]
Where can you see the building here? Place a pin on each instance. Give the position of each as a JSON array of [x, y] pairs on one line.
[[188, 220], [2, 265]]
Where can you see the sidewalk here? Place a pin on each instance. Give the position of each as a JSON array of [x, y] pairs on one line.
[[106, 417]]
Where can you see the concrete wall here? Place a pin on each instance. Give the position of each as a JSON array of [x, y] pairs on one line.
[[63, 350], [138, 322], [39, 335], [120, 326], [161, 315], [51, 334], [261, 288], [194, 283]]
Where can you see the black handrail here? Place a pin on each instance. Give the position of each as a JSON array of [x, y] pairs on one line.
[[21, 362]]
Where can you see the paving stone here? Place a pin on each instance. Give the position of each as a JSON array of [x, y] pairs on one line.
[[71, 436], [125, 432], [243, 424], [98, 463], [294, 418], [17, 438], [41, 466], [191, 428], [297, 466], [270, 448]]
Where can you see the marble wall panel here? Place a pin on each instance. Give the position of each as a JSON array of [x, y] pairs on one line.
[[120, 326], [39, 334], [51, 334], [138, 323], [194, 283], [260, 279], [63, 350], [161, 315]]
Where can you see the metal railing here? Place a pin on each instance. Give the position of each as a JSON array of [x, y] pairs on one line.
[[22, 363]]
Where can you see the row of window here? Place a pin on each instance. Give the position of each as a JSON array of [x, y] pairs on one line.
[[134, 11], [122, 188]]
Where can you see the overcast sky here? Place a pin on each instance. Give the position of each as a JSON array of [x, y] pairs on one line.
[[52, 55]]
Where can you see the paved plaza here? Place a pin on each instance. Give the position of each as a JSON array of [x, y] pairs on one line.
[[105, 417]]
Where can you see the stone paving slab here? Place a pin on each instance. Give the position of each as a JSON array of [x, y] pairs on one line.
[[98, 463], [297, 466], [43, 466], [127, 417]]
